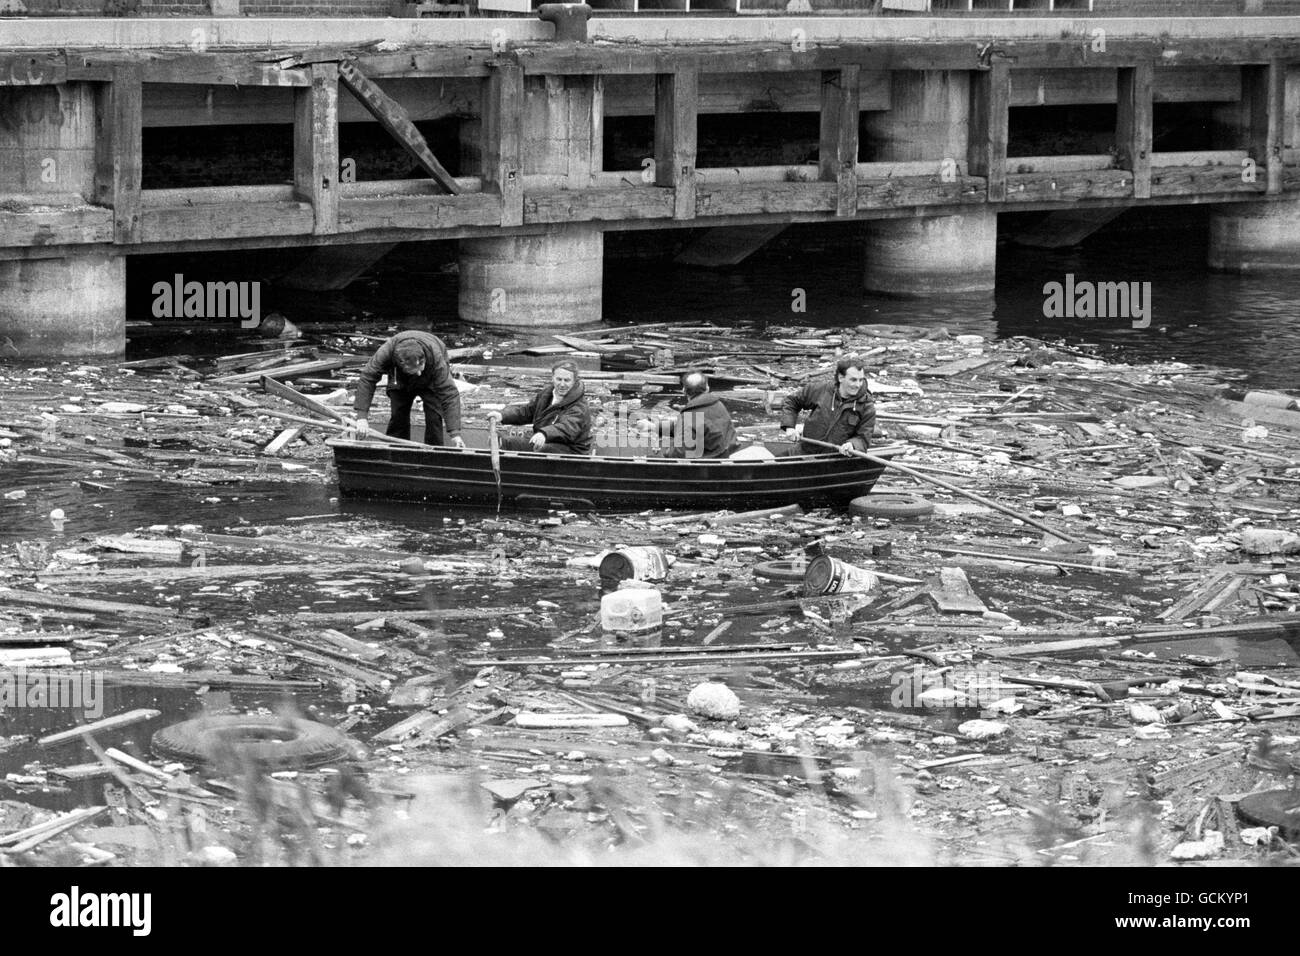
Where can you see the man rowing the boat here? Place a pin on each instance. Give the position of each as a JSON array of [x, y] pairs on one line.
[[558, 413], [417, 365], [843, 413], [703, 428]]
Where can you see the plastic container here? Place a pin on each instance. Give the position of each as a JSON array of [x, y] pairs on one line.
[[827, 575], [632, 611], [639, 563]]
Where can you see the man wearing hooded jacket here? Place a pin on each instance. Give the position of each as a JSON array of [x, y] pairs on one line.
[[842, 411], [417, 365], [558, 413]]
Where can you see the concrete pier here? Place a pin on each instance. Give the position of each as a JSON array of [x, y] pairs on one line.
[[929, 119], [1249, 238], [73, 306], [552, 279]]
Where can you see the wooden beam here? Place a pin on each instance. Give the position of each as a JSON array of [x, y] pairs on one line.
[[1133, 125], [316, 146], [677, 97], [837, 154], [503, 140], [33, 69], [989, 123], [1263, 92], [394, 120], [119, 120]]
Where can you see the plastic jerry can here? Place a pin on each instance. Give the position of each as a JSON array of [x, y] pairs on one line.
[[632, 611]]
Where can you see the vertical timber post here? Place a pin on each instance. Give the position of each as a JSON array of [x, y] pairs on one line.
[[837, 153], [316, 146], [989, 124], [502, 132], [1263, 92], [1133, 125], [676, 125], [118, 150]]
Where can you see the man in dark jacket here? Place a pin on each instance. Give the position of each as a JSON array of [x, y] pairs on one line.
[[418, 368], [703, 429], [843, 413], [558, 413]]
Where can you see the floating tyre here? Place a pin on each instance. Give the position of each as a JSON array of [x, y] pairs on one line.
[[272, 743], [781, 570], [1273, 808], [891, 506]]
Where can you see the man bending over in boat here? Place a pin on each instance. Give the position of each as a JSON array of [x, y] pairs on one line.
[[417, 362], [843, 413], [558, 413], [703, 429]]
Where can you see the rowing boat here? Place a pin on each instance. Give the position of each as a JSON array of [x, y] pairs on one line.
[[368, 469]]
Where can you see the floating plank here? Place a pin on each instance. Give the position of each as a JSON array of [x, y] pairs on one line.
[[66, 602], [959, 367], [956, 594], [393, 118], [21, 841], [115, 722], [289, 371], [278, 444], [569, 721]]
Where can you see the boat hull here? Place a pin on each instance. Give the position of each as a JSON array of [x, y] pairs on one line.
[[373, 470]]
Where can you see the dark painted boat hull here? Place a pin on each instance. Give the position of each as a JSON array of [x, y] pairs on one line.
[[373, 470]]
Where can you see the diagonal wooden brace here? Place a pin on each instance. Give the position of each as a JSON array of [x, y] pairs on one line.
[[393, 118]]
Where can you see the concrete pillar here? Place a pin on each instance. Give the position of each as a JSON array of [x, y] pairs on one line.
[[1251, 237], [1255, 236], [552, 279], [928, 119], [60, 307]]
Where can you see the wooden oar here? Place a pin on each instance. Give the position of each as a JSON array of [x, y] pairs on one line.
[[494, 444], [950, 487]]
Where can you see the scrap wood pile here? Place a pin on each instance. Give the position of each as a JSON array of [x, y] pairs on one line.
[[997, 679]]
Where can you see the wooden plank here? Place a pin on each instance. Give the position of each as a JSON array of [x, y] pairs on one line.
[[291, 394], [1192, 181], [598, 205], [1133, 125], [838, 142], [1263, 93], [989, 127], [393, 118], [903, 191], [33, 69], [169, 224], [43, 227], [119, 150], [66, 602], [116, 722], [955, 595], [422, 213], [756, 198], [316, 146], [676, 122], [1069, 187], [289, 371], [503, 138]]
